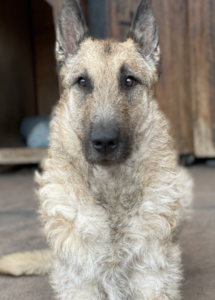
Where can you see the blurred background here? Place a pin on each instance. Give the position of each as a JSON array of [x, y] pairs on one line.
[[29, 89]]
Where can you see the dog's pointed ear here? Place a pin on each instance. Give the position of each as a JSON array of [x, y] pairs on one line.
[[71, 30], [144, 30]]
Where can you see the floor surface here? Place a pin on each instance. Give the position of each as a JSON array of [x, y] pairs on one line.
[[20, 231]]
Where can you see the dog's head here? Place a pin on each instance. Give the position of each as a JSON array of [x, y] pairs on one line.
[[107, 85]]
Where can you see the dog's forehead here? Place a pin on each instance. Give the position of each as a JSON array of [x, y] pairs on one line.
[[101, 56]]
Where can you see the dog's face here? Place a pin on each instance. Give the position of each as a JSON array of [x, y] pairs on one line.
[[107, 83]]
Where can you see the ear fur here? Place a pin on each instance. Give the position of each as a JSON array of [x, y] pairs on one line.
[[144, 32], [71, 30]]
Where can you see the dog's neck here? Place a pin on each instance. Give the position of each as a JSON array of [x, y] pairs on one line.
[[116, 188]]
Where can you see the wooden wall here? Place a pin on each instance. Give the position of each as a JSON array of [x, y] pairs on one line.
[[202, 66], [173, 89], [28, 75], [16, 70]]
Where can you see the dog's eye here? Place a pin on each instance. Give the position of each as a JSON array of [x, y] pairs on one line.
[[130, 81], [82, 82]]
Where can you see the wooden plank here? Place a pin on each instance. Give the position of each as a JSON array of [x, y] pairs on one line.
[[202, 56], [173, 90], [22, 155], [46, 78]]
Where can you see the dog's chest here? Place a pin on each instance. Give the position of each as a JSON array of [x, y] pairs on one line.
[[117, 200]]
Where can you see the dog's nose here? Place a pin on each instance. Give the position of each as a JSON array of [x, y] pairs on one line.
[[106, 141]]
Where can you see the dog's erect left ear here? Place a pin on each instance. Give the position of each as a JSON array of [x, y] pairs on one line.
[[71, 30], [144, 31]]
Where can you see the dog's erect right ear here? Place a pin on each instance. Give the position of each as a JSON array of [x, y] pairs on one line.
[[144, 31], [71, 30]]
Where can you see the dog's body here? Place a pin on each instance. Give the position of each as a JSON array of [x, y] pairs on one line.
[[112, 196]]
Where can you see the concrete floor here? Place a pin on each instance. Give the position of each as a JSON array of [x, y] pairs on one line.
[[20, 231]]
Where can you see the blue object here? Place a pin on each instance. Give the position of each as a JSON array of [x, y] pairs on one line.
[[35, 131]]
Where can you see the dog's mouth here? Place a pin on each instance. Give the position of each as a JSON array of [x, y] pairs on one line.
[[107, 161]]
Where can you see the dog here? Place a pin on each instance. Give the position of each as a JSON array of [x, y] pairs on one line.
[[112, 197]]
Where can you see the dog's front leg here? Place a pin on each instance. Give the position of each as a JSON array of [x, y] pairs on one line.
[[158, 274], [74, 273], [70, 282], [73, 228]]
